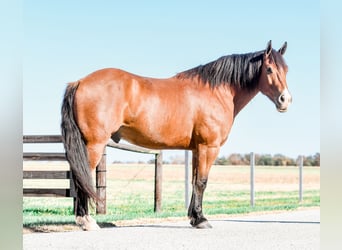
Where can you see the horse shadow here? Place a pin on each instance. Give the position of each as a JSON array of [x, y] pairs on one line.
[[170, 226]]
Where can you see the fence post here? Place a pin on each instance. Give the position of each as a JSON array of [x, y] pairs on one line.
[[252, 163], [186, 179], [101, 185], [301, 161], [158, 176]]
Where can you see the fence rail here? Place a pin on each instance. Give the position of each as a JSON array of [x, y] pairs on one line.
[[67, 174], [42, 139], [35, 156]]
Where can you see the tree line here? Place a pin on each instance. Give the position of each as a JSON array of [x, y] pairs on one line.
[[268, 160], [243, 159]]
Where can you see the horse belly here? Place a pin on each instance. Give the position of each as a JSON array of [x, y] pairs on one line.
[[157, 136]]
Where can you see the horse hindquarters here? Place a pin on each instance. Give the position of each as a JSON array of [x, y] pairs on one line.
[[77, 156]]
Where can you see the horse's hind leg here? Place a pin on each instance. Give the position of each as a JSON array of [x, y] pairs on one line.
[[83, 219], [95, 153]]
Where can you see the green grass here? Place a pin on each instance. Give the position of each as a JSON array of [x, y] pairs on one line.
[[43, 211], [129, 199]]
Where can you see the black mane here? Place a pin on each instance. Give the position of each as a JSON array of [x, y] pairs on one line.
[[240, 70]]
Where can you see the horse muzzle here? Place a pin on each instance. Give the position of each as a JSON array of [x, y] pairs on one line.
[[283, 101]]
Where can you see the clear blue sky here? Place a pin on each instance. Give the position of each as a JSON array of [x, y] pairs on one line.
[[66, 40]]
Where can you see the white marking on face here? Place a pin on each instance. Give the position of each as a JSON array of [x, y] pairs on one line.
[[283, 101]]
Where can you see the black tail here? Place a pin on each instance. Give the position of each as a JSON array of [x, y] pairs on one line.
[[75, 148]]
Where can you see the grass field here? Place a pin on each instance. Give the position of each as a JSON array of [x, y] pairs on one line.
[[130, 190]]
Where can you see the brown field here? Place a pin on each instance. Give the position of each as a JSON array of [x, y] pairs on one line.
[[222, 177], [235, 177]]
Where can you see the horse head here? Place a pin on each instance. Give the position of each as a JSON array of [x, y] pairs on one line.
[[272, 82]]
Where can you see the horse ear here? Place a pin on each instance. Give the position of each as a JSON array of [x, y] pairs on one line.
[[283, 49], [268, 48]]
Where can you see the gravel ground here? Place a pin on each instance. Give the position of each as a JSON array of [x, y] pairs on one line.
[[287, 230]]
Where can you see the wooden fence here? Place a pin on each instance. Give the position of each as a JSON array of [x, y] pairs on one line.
[[67, 174]]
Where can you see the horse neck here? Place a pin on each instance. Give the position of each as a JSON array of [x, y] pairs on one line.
[[242, 97]]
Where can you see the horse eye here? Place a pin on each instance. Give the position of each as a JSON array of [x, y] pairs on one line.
[[269, 70]]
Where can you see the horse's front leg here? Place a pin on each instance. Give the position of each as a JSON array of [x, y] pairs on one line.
[[203, 158]]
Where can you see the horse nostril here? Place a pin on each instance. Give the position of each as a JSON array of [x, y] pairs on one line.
[[282, 98]]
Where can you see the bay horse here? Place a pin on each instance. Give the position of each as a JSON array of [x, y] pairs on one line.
[[193, 110]]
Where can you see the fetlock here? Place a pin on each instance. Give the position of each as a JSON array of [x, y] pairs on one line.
[[87, 223]]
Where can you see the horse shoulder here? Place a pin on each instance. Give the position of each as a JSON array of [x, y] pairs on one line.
[[215, 117]]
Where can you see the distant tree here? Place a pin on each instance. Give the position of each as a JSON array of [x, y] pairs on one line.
[[317, 159], [257, 158], [264, 160], [222, 161], [308, 161], [290, 161], [267, 160], [311, 160], [279, 160], [246, 159], [236, 159]]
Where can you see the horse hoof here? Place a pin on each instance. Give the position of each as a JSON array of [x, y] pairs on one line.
[[87, 223], [203, 225], [200, 224]]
